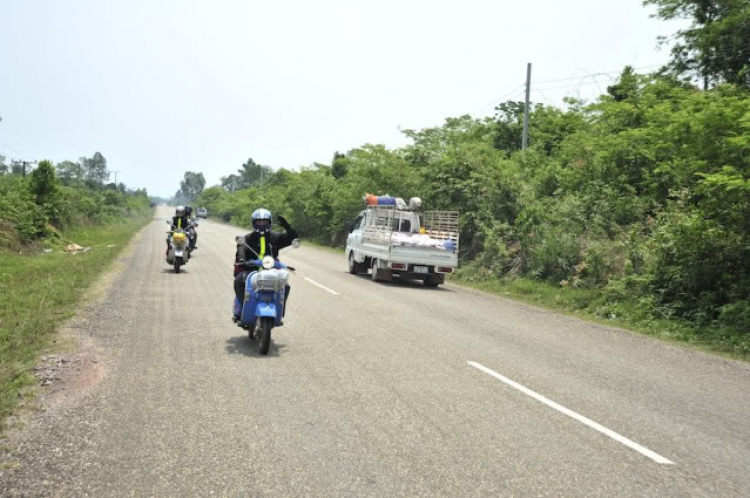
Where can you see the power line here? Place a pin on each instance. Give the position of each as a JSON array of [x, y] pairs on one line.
[[549, 103], [15, 151], [576, 85], [498, 99], [612, 75], [593, 74], [578, 82]]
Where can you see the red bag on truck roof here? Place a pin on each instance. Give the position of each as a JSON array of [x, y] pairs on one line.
[[374, 200]]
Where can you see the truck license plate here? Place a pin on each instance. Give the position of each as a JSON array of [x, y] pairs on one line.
[[421, 269]]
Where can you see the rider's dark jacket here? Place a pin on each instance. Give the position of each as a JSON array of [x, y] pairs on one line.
[[184, 221], [274, 241]]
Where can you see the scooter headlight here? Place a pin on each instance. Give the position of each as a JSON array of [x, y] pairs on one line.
[[269, 262]]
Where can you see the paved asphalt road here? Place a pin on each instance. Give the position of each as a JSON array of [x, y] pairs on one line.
[[376, 390]]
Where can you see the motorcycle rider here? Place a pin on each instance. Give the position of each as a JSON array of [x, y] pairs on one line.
[[264, 242], [179, 220], [191, 227]]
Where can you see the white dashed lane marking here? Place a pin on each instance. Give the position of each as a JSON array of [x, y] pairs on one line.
[[570, 413]]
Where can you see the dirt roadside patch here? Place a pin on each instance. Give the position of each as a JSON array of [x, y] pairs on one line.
[[75, 363]]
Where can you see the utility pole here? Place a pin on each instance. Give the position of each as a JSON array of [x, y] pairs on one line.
[[262, 197], [115, 172], [526, 109], [25, 163]]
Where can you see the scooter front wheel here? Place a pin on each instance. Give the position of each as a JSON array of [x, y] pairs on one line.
[[266, 324], [177, 265]]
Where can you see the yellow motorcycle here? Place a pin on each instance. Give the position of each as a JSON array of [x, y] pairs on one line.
[[178, 253]]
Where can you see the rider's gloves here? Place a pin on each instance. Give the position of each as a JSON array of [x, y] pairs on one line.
[[284, 223]]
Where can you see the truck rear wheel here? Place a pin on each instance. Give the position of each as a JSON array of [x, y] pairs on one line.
[[380, 274], [356, 268], [433, 281]]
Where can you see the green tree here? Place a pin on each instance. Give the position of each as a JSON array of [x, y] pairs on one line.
[[43, 183], [509, 120], [192, 186], [715, 47], [339, 165], [627, 87], [251, 174], [95, 169], [3, 166], [231, 182], [69, 172]]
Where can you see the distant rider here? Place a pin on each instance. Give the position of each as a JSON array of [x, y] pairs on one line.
[[191, 228], [179, 220], [263, 242]]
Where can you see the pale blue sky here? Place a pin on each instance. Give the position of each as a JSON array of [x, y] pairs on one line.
[[162, 87]]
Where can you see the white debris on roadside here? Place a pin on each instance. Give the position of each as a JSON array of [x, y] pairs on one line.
[[75, 249]]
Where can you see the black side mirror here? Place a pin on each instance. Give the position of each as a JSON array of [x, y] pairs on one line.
[[350, 226]]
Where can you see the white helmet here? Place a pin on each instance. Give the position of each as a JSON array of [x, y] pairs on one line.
[[180, 211], [262, 220]]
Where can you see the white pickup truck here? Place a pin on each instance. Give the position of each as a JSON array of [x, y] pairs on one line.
[[399, 242]]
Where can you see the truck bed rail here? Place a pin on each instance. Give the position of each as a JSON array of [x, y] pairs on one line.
[[442, 225], [378, 224]]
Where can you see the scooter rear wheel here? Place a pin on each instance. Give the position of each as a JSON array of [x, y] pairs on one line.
[[266, 324]]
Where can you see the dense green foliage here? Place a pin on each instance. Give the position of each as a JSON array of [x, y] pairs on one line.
[[715, 47], [643, 195], [49, 199]]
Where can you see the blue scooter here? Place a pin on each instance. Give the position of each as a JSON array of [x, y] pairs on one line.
[[265, 297]]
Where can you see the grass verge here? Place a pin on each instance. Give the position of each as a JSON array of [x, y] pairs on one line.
[[592, 305], [39, 291], [323, 247]]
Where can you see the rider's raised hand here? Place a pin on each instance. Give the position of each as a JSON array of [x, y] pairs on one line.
[[283, 222]]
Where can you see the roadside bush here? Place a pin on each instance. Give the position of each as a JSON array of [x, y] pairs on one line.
[[698, 265], [735, 316], [33, 208], [19, 209], [499, 255]]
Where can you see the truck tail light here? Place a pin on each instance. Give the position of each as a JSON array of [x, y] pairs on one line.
[[398, 266], [445, 269]]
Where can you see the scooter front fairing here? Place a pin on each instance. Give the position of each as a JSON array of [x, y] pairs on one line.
[[259, 304]]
